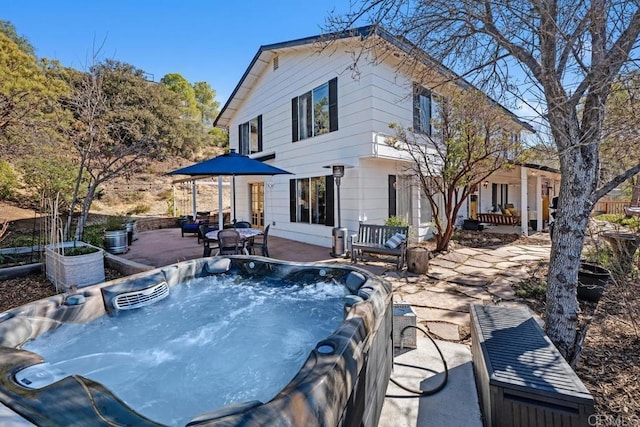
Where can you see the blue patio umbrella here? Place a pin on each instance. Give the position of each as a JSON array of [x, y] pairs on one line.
[[229, 164]]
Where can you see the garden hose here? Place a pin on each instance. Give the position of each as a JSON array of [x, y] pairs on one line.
[[420, 392]]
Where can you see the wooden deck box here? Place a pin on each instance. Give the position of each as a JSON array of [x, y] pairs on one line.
[[521, 377]]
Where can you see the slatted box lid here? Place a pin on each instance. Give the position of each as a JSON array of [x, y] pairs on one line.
[[520, 356]]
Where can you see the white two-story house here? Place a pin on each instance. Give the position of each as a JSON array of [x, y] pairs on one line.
[[301, 105]]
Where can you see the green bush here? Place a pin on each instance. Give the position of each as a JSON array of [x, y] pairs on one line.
[[632, 223], [94, 235], [50, 175], [8, 180], [532, 288], [80, 250], [15, 240], [396, 221], [114, 223]]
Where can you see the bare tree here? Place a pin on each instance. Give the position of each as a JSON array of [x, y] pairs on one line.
[[620, 147], [120, 122], [567, 52], [469, 142]]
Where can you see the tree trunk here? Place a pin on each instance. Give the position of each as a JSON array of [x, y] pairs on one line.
[[76, 193], [578, 183], [635, 195], [86, 205]]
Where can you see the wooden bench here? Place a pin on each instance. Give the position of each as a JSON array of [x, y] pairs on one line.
[[522, 379], [498, 219], [371, 239]]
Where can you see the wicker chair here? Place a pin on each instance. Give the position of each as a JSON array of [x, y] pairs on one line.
[[229, 242]]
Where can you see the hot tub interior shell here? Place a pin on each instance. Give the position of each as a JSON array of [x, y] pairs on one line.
[[342, 382]]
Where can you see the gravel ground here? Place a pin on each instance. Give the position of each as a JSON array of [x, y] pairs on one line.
[[22, 290]]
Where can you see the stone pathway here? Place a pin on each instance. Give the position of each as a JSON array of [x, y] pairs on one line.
[[461, 277]]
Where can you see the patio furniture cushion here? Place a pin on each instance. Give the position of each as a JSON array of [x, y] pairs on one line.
[[395, 240], [190, 227], [498, 219]]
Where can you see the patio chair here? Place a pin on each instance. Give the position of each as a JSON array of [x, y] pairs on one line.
[[207, 243], [191, 227], [242, 224], [260, 244], [229, 242], [203, 229]]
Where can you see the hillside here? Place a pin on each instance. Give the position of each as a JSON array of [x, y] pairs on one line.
[[144, 194]]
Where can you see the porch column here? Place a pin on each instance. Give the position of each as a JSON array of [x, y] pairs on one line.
[[538, 202], [524, 196]]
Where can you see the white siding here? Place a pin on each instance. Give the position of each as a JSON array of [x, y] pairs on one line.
[[366, 107]]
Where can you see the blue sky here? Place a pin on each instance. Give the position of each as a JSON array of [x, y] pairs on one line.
[[212, 41]]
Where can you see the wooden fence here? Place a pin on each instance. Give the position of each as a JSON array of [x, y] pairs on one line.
[[610, 207]]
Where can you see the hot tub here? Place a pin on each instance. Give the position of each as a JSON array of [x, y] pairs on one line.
[[342, 380]]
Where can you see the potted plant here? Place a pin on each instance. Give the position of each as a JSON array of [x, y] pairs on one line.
[[592, 279], [115, 235]]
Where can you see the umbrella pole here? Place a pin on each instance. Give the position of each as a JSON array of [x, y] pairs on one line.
[[193, 196], [173, 200], [234, 199]]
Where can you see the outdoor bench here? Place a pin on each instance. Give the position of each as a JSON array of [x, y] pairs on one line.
[[522, 379], [498, 219], [375, 239]]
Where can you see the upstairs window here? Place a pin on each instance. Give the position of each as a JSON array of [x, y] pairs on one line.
[[426, 109], [250, 136], [315, 112]]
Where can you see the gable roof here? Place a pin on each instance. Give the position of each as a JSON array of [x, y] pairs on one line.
[[265, 54]]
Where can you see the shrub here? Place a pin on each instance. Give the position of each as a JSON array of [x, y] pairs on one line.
[[51, 176], [80, 250], [396, 221], [138, 209], [532, 288], [114, 223], [8, 180], [632, 223], [94, 235]]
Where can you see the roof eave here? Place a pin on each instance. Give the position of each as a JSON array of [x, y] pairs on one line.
[[363, 32]]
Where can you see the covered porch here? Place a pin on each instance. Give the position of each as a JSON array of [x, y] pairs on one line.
[[518, 199]]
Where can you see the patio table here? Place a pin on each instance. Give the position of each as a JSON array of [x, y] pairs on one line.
[[245, 235]]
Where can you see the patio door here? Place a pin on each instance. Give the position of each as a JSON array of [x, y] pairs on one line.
[[256, 204]]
